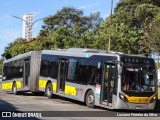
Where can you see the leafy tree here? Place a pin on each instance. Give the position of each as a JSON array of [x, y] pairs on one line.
[[19, 46], [129, 20], [134, 24], [69, 28], [152, 37]]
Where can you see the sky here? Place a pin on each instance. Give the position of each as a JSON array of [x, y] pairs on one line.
[[11, 28]]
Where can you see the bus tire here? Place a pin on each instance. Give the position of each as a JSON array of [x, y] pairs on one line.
[[14, 89], [49, 90], [90, 99]]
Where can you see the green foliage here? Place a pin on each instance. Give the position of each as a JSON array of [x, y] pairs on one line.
[[135, 25], [152, 35], [19, 46], [69, 28], [128, 23]]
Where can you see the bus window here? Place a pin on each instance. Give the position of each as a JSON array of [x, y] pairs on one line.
[[53, 67], [84, 71], [72, 69], [4, 72], [49, 68], [44, 68], [92, 74], [138, 79], [148, 80], [98, 77], [9, 71], [95, 77], [18, 66], [78, 70]]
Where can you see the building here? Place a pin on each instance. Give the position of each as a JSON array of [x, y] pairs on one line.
[[27, 26]]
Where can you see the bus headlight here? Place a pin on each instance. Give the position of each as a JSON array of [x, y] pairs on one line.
[[153, 99], [122, 97]]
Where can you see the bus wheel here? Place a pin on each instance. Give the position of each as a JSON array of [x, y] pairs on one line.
[[14, 88], [49, 90], [90, 99]]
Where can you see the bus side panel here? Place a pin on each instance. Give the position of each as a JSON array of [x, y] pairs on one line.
[[77, 91], [43, 82], [8, 85], [35, 70]]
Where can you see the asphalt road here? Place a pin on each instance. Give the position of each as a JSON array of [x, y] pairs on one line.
[[28, 105]]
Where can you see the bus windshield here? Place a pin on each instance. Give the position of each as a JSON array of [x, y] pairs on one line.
[[140, 79]]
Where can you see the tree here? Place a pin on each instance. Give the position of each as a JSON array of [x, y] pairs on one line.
[[129, 20], [133, 26], [19, 46], [152, 36], [69, 28]]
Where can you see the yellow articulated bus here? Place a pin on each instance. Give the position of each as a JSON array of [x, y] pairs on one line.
[[109, 80]]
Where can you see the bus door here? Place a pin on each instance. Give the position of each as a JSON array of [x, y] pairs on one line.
[[26, 72], [108, 84], [62, 75]]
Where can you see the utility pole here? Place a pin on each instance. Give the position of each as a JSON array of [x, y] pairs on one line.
[[110, 30]]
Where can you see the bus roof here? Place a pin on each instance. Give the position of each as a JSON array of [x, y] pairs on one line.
[[18, 57], [79, 52], [85, 52], [76, 52]]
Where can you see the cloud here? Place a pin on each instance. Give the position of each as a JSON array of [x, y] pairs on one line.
[[88, 6]]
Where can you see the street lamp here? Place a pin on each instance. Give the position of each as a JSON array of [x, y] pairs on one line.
[[29, 26], [110, 30]]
